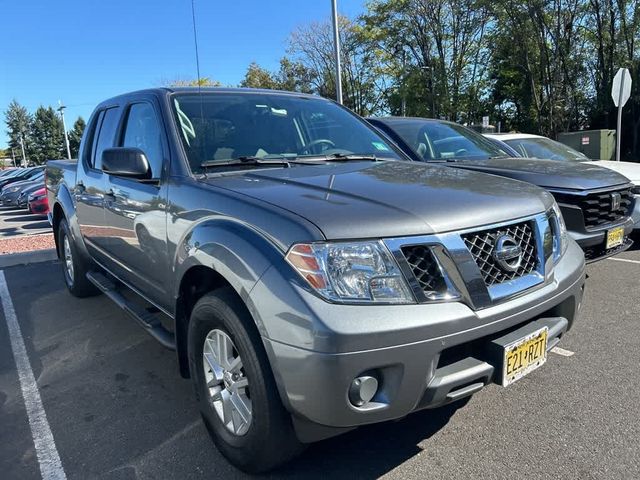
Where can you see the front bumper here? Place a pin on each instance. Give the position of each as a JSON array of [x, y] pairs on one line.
[[593, 241], [10, 199], [40, 206], [425, 355]]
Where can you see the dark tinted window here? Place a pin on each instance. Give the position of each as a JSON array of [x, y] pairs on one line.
[[434, 140], [89, 145], [143, 131], [226, 126], [106, 135]]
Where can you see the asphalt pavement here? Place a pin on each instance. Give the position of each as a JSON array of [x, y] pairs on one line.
[[18, 221], [118, 409]]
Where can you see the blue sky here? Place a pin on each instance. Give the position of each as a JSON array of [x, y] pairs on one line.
[[82, 52]]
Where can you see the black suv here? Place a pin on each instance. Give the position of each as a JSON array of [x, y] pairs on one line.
[[596, 202]]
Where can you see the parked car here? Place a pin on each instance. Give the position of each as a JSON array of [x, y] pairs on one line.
[[596, 203], [10, 193], [7, 171], [310, 277], [23, 198], [536, 146], [20, 175], [38, 202]]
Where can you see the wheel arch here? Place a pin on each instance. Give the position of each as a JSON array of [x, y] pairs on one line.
[[216, 254]]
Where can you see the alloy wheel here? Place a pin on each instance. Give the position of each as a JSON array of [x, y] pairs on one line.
[[227, 385], [68, 258]]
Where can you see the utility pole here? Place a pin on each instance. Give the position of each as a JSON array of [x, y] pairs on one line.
[[64, 127], [404, 90], [336, 48]]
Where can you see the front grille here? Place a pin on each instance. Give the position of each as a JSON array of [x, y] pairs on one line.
[[597, 208], [425, 268], [482, 244]]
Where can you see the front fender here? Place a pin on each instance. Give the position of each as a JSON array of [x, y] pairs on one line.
[[236, 251]]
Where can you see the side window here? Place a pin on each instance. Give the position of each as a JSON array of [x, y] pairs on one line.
[[89, 144], [143, 131], [106, 135]]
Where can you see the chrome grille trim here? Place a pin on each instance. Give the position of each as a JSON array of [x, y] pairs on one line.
[[461, 272], [482, 244]]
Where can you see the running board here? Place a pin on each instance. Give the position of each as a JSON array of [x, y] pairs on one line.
[[147, 320]]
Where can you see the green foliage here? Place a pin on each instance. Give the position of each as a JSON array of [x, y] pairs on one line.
[[258, 77], [18, 122], [200, 82], [47, 134], [292, 77], [75, 136]]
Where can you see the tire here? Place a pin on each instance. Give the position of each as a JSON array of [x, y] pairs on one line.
[[74, 267], [268, 439]]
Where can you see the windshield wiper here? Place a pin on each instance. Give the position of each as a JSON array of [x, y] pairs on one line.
[[336, 157], [246, 161]]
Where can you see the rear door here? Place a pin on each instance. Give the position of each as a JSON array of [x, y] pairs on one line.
[[89, 189], [135, 214]]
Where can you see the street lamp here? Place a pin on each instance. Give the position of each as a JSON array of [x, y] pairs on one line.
[[64, 128], [336, 49]]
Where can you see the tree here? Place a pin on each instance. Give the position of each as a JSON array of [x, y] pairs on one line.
[[292, 76], [47, 134], [258, 77], [18, 123], [311, 51], [201, 82], [75, 136], [439, 48]]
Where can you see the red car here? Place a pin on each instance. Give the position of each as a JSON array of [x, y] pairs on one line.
[[38, 202]]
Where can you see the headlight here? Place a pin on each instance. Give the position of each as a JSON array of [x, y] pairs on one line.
[[12, 189], [559, 229], [351, 272], [635, 190]]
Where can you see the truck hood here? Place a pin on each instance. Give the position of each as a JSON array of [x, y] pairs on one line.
[[628, 169], [551, 174], [389, 199]]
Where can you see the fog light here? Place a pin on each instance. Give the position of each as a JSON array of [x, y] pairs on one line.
[[362, 390]]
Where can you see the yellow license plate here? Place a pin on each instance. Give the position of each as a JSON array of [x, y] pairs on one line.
[[524, 356], [615, 237]]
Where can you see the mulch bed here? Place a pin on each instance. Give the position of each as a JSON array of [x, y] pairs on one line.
[[26, 243]]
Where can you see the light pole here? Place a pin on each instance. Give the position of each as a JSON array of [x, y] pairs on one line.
[[64, 128], [336, 48], [24, 155]]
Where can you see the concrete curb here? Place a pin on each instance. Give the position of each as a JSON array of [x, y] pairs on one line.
[[25, 258]]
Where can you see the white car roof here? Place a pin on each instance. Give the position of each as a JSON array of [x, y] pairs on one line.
[[511, 136]]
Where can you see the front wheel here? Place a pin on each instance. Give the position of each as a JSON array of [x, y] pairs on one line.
[[74, 268], [236, 392]]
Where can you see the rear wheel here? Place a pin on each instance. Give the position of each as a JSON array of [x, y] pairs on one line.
[[74, 267], [236, 392]]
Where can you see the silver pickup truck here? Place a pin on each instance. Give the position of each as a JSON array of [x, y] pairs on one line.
[[310, 278]]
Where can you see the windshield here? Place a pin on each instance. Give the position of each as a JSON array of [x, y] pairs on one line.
[[434, 140], [221, 127], [545, 148]]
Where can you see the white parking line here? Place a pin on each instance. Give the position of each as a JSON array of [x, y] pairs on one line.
[[637, 262], [48, 458]]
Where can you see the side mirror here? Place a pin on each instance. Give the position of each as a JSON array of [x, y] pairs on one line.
[[126, 162]]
